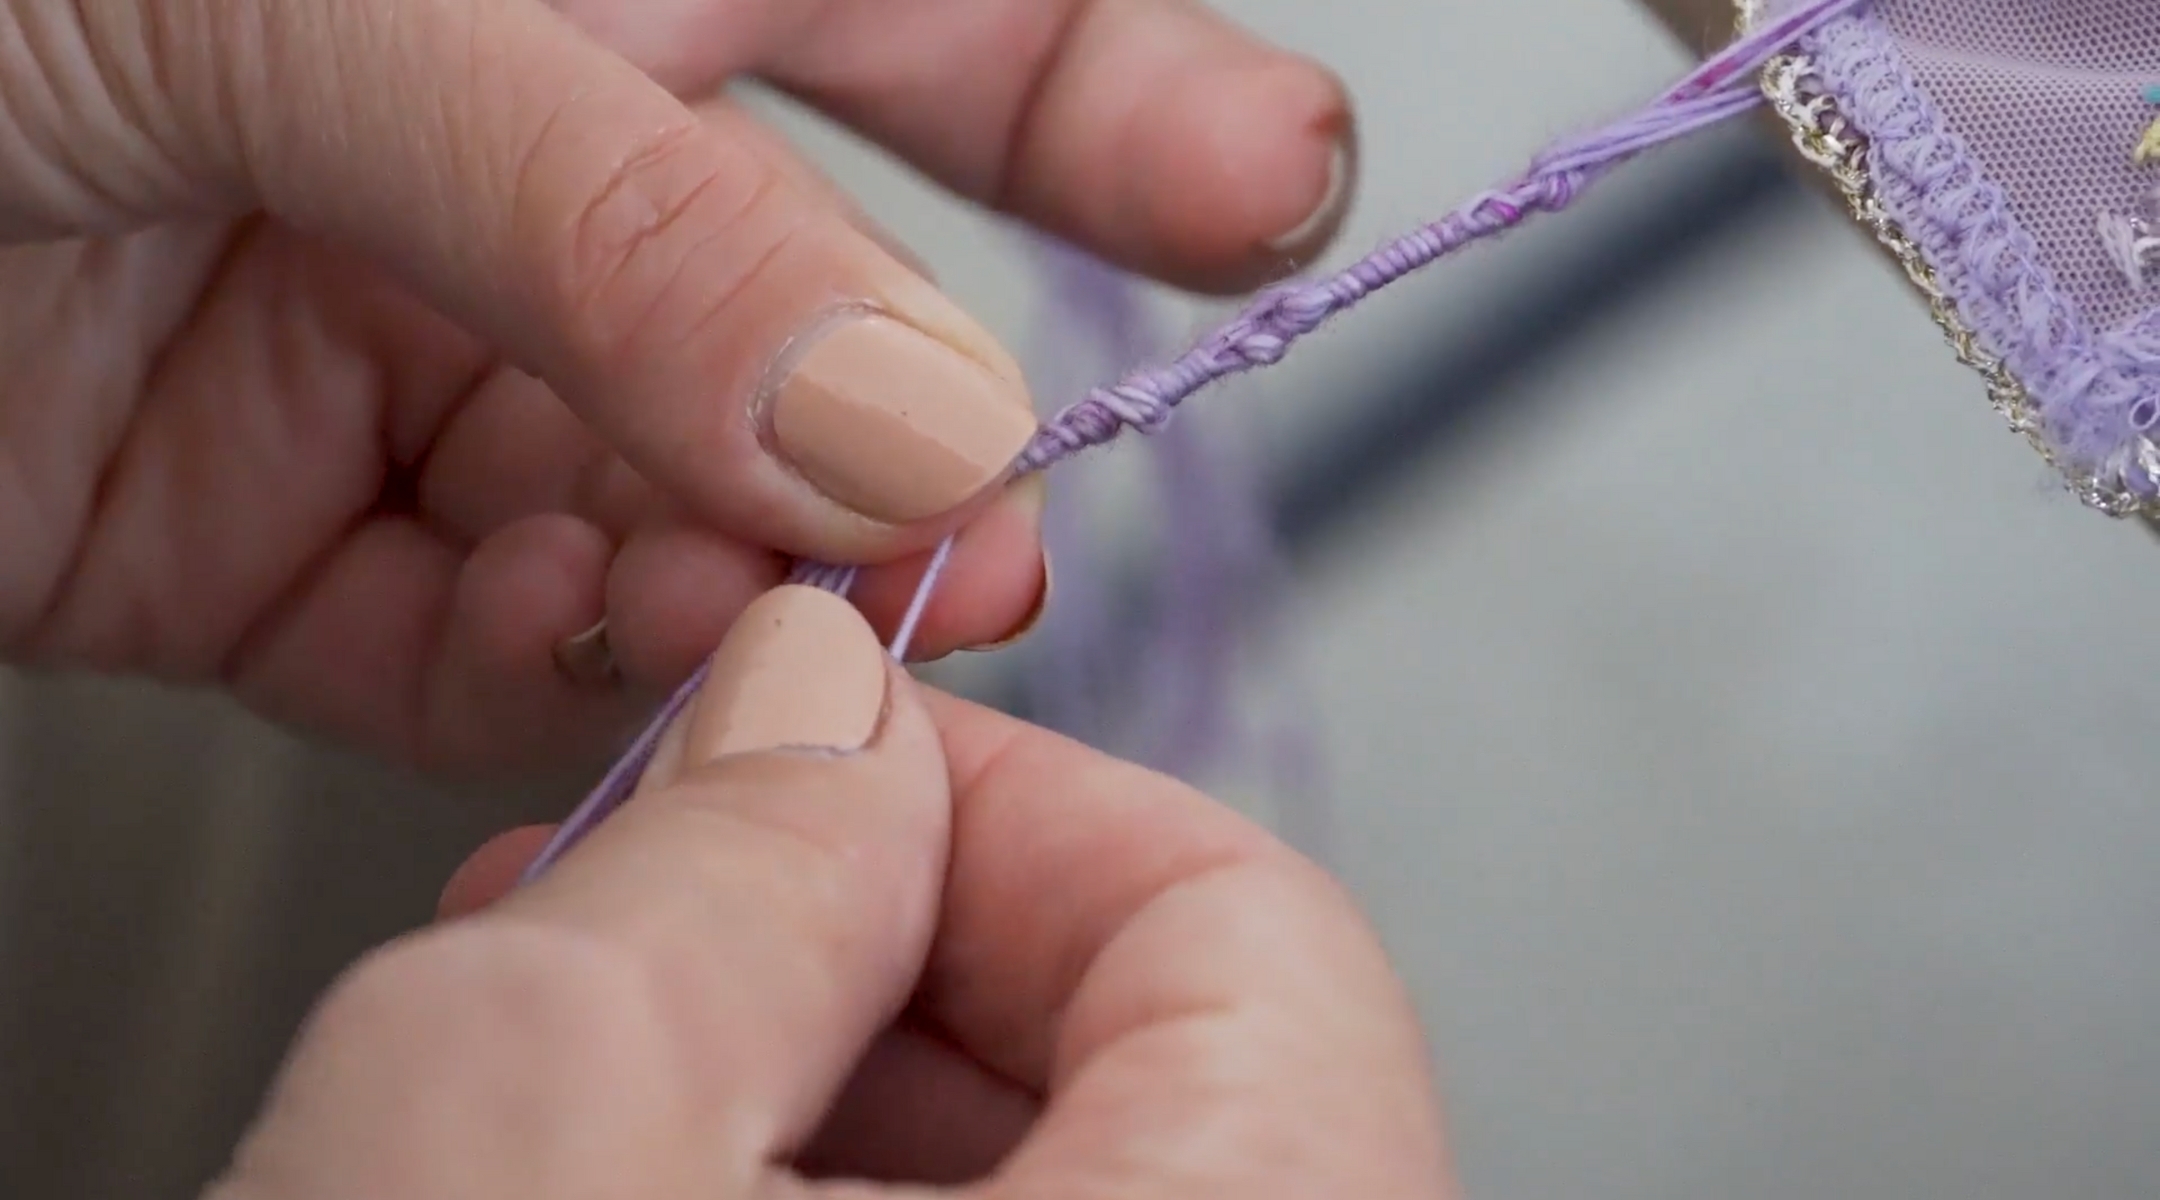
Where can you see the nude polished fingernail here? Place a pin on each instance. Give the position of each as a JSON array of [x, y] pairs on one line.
[[801, 670], [893, 423], [1029, 496]]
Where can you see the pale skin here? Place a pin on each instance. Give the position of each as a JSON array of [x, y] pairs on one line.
[[526, 285], [365, 356], [970, 945]]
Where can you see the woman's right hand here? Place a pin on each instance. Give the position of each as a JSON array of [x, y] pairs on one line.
[[856, 940]]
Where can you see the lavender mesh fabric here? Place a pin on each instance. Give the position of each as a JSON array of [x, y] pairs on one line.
[[2000, 136], [2048, 96]]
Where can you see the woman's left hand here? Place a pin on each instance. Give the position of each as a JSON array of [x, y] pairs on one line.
[[361, 353]]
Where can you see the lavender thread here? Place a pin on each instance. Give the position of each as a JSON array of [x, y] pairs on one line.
[[1150, 685], [1721, 88]]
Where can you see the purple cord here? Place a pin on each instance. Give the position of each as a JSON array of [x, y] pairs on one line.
[[1151, 685], [622, 778], [1094, 325], [1722, 87]]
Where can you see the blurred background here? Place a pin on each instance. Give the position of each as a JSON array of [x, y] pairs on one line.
[[1741, 744]]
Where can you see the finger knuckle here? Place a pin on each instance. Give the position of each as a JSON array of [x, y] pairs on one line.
[[465, 990], [818, 871], [562, 1028], [89, 128], [649, 238], [822, 875]]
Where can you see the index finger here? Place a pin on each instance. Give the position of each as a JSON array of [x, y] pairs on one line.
[[1156, 133], [1200, 1005]]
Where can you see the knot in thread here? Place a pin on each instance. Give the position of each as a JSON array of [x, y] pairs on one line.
[[1135, 403], [1558, 189], [1712, 93], [1263, 334]]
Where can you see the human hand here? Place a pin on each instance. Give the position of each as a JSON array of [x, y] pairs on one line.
[[928, 947], [361, 353]]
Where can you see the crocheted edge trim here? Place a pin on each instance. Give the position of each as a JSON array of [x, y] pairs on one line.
[[1857, 113]]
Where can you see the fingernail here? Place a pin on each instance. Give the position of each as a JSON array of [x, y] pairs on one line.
[[1034, 617], [1026, 497], [586, 659], [666, 764], [1305, 239], [894, 424], [1030, 495], [800, 670]]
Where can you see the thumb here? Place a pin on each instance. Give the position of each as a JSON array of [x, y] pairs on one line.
[[745, 348], [784, 857], [674, 1006]]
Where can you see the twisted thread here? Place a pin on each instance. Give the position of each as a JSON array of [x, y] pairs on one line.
[[1722, 87]]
